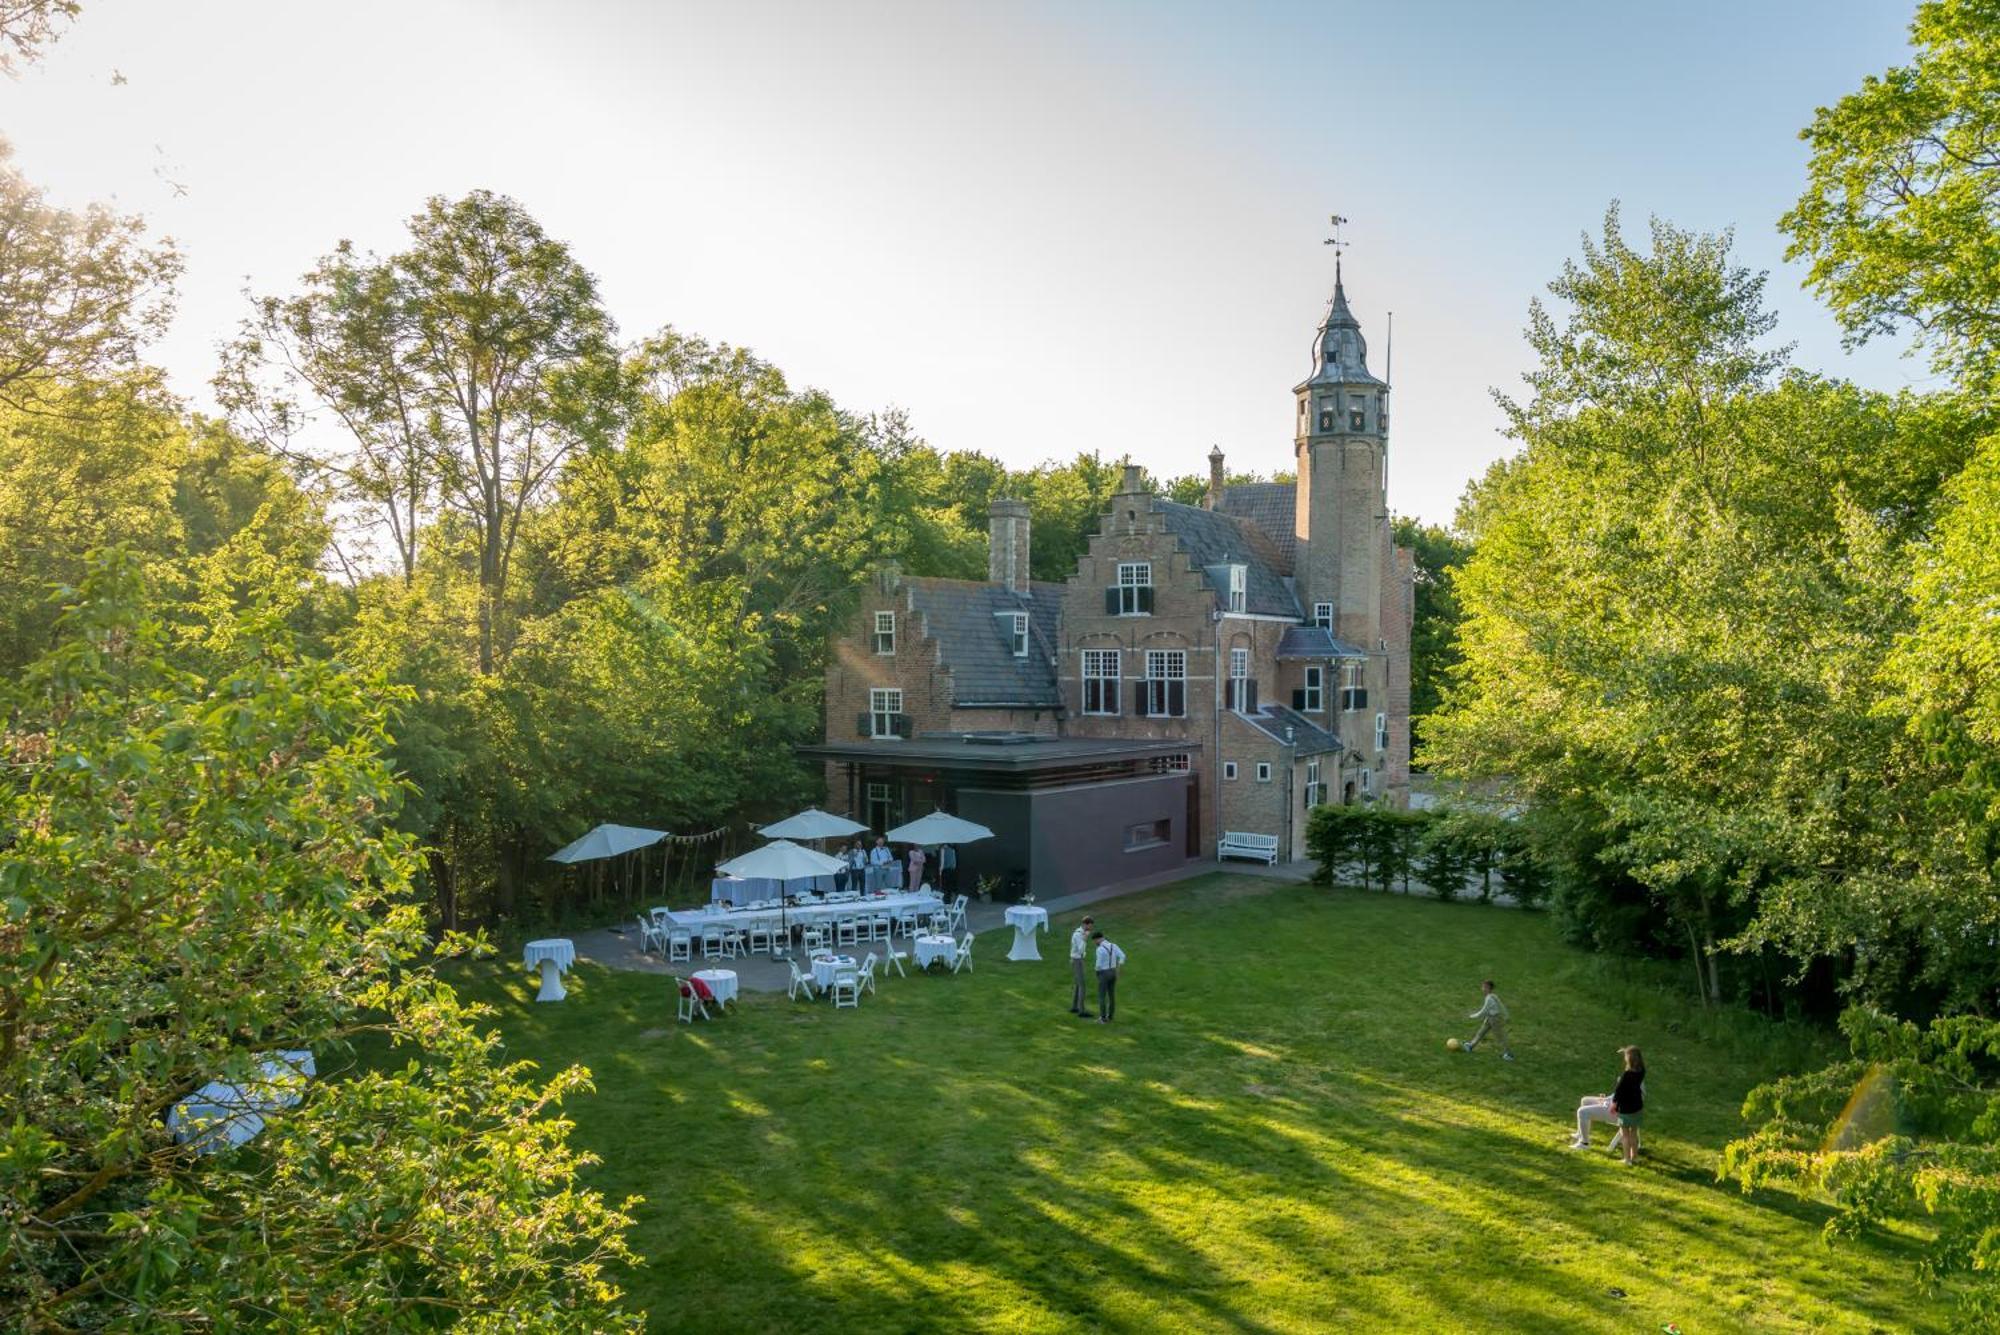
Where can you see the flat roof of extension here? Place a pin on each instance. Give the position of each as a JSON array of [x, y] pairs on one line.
[[995, 750]]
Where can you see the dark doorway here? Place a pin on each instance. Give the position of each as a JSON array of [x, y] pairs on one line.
[[1194, 817]]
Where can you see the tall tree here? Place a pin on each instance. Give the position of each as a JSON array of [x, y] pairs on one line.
[[1438, 552], [201, 873], [80, 292], [466, 368], [26, 26], [1898, 216]]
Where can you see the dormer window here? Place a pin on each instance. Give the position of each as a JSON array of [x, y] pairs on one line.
[[885, 633], [1323, 615], [1018, 626], [1238, 596]]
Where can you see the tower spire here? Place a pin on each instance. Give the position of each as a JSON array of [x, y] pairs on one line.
[[1339, 244]]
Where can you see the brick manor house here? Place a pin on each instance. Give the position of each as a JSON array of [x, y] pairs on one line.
[[1207, 669]]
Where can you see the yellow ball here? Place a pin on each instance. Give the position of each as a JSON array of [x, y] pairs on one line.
[[1453, 1044]]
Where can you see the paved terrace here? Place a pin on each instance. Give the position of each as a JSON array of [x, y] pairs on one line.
[[618, 947]]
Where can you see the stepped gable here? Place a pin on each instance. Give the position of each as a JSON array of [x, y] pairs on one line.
[[974, 644], [1271, 508], [1214, 539]]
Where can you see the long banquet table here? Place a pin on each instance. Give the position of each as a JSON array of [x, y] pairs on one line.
[[741, 890], [715, 915]]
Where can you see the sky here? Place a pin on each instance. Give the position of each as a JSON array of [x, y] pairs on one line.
[[1040, 229]]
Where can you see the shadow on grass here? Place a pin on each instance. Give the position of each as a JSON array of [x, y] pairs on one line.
[[1271, 1139]]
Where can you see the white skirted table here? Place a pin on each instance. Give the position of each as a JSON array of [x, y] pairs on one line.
[[928, 950], [721, 983], [1026, 920], [554, 956], [826, 967], [219, 1114]]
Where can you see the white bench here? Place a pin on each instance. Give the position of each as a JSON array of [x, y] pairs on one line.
[[1257, 847]]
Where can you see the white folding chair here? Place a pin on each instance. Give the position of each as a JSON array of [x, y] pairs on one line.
[[893, 958], [906, 921], [801, 982], [712, 942], [650, 937], [814, 938], [680, 946], [690, 1005], [846, 932], [868, 972], [962, 957], [956, 916], [763, 932], [847, 988]]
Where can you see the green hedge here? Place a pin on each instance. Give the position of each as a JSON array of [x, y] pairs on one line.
[[1448, 851]]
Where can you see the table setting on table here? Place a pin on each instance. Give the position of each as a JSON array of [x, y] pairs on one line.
[[721, 983], [933, 949], [825, 968]]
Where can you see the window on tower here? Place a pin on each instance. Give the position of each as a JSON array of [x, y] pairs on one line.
[[1326, 415], [1357, 419]]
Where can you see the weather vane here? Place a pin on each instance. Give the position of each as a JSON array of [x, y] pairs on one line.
[[1337, 241]]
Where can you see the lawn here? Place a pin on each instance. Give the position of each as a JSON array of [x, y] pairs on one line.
[[1271, 1138]]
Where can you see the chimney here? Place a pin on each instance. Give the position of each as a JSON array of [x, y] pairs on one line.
[[1132, 481], [1215, 477], [1007, 545]]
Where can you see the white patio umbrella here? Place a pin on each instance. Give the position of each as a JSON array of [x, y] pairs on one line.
[[940, 827], [611, 841], [781, 860], [607, 841], [812, 823]]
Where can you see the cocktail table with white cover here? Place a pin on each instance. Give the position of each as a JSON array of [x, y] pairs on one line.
[[220, 1114], [826, 966], [928, 949], [1026, 920], [721, 983], [553, 956]]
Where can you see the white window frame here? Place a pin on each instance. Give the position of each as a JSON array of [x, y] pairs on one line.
[[1263, 771], [1178, 763], [1228, 769], [1238, 585], [1381, 732], [1133, 575], [1239, 673], [1313, 690], [1315, 790], [885, 705], [1351, 681], [1323, 615], [1111, 685], [1165, 665], [885, 631], [1019, 632]]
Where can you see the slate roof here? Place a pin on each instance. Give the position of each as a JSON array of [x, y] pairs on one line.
[[1308, 739], [1272, 508], [1315, 642], [1212, 538], [962, 616]]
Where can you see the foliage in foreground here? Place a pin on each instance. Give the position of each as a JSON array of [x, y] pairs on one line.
[[1908, 1127], [202, 870]]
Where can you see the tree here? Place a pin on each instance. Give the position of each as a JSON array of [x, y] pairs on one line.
[[467, 368], [1438, 551], [26, 26], [1907, 1129], [80, 293], [201, 871], [1683, 591], [1897, 216]]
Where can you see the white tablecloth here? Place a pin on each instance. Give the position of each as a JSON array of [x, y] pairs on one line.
[[1026, 920], [928, 948], [798, 915], [826, 966], [554, 948], [722, 982], [552, 956], [738, 890], [220, 1114]]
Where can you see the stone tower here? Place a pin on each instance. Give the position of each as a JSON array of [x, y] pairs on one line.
[[1342, 448]]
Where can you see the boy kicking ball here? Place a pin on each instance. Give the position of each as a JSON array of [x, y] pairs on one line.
[[1492, 1017]]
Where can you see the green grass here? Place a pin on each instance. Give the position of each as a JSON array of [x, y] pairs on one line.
[[1272, 1138]]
